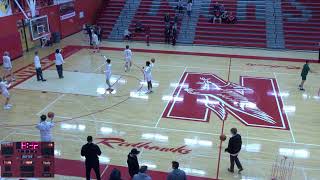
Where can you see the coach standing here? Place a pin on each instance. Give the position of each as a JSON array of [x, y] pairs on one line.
[[59, 63], [91, 152], [234, 148]]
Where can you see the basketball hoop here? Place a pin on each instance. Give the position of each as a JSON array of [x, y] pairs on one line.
[[39, 27]]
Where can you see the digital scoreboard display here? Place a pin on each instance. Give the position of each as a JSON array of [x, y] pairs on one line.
[[27, 159]]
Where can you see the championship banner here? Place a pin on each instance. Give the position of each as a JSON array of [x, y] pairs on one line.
[[5, 8], [67, 10]]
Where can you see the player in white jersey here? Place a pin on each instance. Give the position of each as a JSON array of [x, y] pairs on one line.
[[45, 129], [127, 58], [108, 74], [5, 93], [7, 66], [95, 41], [148, 76]]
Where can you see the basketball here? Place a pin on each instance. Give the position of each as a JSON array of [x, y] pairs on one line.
[[50, 115], [223, 137]]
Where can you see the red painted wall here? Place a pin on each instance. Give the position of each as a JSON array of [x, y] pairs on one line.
[[74, 24], [10, 37]]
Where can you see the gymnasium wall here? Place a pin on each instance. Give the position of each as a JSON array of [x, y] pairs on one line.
[[10, 37]]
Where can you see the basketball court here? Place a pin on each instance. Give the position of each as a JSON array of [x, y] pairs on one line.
[[199, 93]]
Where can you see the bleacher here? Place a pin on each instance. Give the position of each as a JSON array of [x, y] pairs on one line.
[[301, 24], [300, 20], [247, 32], [154, 18], [109, 15]]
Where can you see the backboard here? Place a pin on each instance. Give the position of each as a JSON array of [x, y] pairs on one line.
[[39, 27]]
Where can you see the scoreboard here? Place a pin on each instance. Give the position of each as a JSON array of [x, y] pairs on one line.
[[27, 159]]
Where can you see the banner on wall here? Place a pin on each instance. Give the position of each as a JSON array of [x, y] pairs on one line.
[[67, 10], [5, 8]]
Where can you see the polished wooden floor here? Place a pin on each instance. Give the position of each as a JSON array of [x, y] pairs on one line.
[[131, 115]]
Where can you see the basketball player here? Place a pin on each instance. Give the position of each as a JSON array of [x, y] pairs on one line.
[[5, 93], [108, 74], [95, 41], [7, 66], [59, 62], [45, 128], [148, 76], [304, 73], [128, 58], [37, 66]]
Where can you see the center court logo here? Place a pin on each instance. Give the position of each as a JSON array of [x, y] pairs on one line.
[[113, 142], [256, 101]]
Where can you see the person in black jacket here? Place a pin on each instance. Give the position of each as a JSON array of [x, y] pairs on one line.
[[234, 147], [91, 152], [167, 34], [133, 164], [89, 32]]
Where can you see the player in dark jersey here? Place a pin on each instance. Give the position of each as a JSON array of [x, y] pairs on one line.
[[304, 73]]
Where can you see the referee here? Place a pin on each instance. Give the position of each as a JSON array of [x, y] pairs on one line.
[[91, 152]]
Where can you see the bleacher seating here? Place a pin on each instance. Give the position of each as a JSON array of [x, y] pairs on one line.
[[109, 15], [301, 24], [300, 19], [154, 18], [249, 32]]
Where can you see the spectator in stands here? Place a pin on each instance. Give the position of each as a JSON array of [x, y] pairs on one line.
[[91, 152], [132, 161], [142, 175], [167, 34], [216, 7], [189, 8], [180, 6], [231, 19], [115, 175], [147, 31], [221, 8], [176, 19], [139, 27], [216, 16], [167, 19], [234, 148], [174, 34], [176, 173], [127, 35]]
